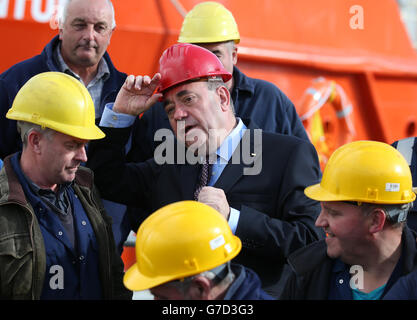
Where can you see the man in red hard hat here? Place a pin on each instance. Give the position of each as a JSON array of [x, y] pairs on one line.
[[209, 24], [253, 178]]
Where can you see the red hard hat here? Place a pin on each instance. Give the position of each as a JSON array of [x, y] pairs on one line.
[[183, 62]]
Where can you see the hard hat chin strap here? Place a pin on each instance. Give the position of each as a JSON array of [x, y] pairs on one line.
[[217, 275], [397, 214]]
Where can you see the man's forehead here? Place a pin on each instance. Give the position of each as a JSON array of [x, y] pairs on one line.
[[183, 89], [67, 138], [337, 206], [213, 45], [332, 206], [89, 11]]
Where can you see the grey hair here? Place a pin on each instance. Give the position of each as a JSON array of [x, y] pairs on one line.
[[214, 83], [63, 13], [24, 128], [184, 284]]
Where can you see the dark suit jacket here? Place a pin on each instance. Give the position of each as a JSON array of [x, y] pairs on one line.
[[276, 217]]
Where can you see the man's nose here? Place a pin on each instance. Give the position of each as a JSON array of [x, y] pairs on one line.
[[321, 221], [81, 154], [89, 32], [179, 113]]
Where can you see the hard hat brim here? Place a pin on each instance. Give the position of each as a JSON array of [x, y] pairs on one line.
[[197, 39], [134, 280], [85, 133], [318, 193]]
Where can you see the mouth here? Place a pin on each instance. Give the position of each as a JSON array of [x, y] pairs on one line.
[[189, 128], [87, 47], [329, 234], [74, 168]]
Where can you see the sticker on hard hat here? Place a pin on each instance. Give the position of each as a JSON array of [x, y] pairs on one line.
[[228, 248], [392, 187], [217, 242]]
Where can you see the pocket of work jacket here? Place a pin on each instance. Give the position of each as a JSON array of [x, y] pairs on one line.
[[15, 266]]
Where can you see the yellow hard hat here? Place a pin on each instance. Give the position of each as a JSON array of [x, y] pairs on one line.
[[209, 22], [57, 101], [179, 240], [365, 171]]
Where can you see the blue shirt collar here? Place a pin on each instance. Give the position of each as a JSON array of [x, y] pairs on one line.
[[226, 149], [103, 71]]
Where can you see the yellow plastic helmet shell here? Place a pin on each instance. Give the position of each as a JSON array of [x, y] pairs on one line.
[[57, 101], [209, 22], [179, 240], [365, 171]]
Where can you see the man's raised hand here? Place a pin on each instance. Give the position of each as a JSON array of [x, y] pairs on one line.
[[137, 94]]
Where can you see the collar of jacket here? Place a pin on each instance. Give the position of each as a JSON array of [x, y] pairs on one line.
[[242, 82], [409, 253], [13, 191], [314, 253]]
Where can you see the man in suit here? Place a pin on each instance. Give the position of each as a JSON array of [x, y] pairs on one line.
[[255, 180], [212, 26]]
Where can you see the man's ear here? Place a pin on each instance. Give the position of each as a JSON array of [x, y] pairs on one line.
[[234, 55], [60, 31], [34, 141], [224, 95], [111, 34], [377, 220], [200, 288]]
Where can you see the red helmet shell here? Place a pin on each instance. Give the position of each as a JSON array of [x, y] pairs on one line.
[[183, 62]]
